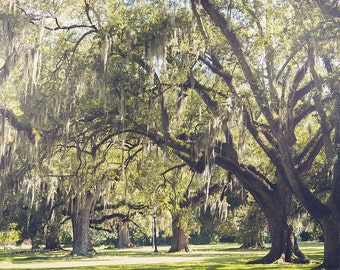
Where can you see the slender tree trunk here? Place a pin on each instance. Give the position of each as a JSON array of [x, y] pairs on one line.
[[252, 240], [82, 244], [252, 226], [179, 238], [52, 237], [123, 235], [53, 230]]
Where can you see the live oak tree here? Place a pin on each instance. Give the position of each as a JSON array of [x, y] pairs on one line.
[[17, 137], [217, 144], [76, 147], [229, 78], [163, 186], [280, 88], [186, 193], [268, 86]]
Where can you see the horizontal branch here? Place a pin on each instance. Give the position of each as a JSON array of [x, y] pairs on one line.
[[121, 203], [108, 217]]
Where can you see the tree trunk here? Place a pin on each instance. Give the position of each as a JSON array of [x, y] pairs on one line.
[[35, 243], [81, 226], [123, 235], [53, 230], [331, 231], [252, 241], [52, 238], [252, 226], [179, 238], [283, 241]]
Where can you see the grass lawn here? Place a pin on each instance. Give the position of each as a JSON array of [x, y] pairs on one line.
[[217, 256]]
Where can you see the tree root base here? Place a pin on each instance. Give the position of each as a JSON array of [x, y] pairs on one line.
[[267, 260], [323, 267]]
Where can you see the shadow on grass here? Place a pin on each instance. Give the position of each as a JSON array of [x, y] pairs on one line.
[[220, 256]]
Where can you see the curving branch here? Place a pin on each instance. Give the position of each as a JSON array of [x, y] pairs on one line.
[[309, 154], [325, 125], [202, 195], [225, 26], [215, 66], [109, 217], [269, 52], [16, 124]]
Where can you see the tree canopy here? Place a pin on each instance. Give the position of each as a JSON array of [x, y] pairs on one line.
[[247, 88]]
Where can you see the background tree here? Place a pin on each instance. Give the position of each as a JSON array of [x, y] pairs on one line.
[[212, 83], [252, 224]]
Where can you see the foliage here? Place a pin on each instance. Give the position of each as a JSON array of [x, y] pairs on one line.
[[9, 236], [113, 94], [251, 225]]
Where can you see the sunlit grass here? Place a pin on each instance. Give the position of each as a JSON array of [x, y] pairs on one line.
[[217, 256]]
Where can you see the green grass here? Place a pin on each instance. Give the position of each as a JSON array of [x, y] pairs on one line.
[[218, 256]]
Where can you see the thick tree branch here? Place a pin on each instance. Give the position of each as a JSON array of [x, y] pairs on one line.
[[201, 196], [303, 193], [304, 160], [215, 66], [269, 52], [325, 125], [264, 139], [250, 181], [225, 26], [164, 109], [109, 217], [118, 205], [16, 124]]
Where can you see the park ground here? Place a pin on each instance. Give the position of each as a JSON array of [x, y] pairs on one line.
[[217, 256]]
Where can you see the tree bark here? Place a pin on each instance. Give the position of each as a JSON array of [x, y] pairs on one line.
[[327, 214], [331, 231], [123, 235], [283, 241], [252, 241], [179, 238], [331, 223], [52, 237], [82, 244], [252, 227]]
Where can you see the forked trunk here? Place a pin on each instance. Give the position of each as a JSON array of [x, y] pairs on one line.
[[283, 241], [179, 239]]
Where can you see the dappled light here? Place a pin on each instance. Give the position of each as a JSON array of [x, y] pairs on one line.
[[139, 124]]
